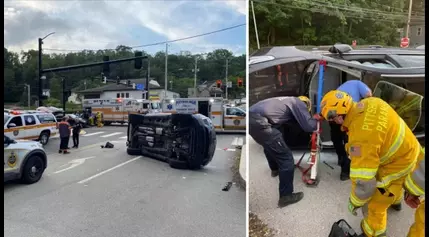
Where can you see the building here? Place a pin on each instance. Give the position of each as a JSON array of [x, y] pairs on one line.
[[113, 90], [207, 89]]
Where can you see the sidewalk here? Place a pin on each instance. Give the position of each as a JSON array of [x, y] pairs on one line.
[[321, 206]]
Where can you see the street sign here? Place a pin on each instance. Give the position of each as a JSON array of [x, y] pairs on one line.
[[405, 42], [229, 84], [140, 87]]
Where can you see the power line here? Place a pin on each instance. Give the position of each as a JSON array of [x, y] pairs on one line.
[[323, 12], [159, 43]]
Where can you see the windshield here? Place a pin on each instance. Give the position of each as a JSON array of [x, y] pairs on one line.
[[155, 106], [6, 117]]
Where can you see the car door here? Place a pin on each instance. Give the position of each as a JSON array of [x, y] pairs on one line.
[[31, 130], [15, 128], [410, 79]]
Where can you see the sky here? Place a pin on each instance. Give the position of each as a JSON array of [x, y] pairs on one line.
[[101, 24]]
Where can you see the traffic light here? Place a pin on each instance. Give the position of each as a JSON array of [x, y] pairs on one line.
[[240, 82], [219, 83], [138, 61], [106, 67]]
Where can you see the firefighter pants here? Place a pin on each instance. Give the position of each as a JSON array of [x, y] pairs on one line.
[[418, 227], [339, 138], [375, 211], [278, 155]]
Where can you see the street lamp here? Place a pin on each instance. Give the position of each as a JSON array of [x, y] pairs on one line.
[[40, 68]]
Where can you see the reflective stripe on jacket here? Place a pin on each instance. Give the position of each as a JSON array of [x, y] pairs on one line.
[[381, 147], [415, 182]]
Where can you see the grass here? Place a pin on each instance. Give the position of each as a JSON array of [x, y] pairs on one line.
[[257, 228]]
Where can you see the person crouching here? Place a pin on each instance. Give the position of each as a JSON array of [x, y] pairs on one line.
[[64, 129]]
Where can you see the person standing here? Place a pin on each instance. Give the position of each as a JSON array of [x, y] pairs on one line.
[[64, 130], [358, 91], [383, 151], [76, 126], [265, 118]]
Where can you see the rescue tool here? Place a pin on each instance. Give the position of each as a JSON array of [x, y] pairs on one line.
[[309, 174]]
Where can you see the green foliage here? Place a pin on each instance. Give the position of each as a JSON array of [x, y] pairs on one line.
[[326, 22], [21, 68]]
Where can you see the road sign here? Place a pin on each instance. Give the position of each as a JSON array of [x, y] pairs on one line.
[[140, 87], [405, 42], [229, 84]]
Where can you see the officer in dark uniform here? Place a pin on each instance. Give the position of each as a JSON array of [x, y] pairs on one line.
[[265, 117]]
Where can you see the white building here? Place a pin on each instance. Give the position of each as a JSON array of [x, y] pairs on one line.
[[114, 90]]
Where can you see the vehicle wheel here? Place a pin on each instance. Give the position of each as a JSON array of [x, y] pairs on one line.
[[107, 123], [194, 165], [177, 164], [134, 151], [33, 170], [44, 138]]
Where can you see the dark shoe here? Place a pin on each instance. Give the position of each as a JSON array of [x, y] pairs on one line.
[[290, 199], [66, 152], [344, 176], [60, 151], [396, 207], [274, 173]]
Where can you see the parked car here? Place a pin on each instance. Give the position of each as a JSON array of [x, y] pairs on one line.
[[23, 160], [293, 71], [182, 140]]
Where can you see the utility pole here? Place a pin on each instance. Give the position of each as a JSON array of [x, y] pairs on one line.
[[64, 95], [256, 28], [166, 74], [39, 74], [195, 76], [147, 80], [28, 95], [226, 79], [409, 19]]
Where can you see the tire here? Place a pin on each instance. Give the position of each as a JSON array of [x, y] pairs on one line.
[[194, 165], [134, 151], [29, 175], [107, 123], [44, 138], [175, 164]]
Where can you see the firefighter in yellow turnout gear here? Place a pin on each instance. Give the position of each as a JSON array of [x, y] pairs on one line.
[[383, 151], [99, 123], [415, 188]]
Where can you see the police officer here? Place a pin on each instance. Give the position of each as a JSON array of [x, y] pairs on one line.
[[358, 91], [265, 117]]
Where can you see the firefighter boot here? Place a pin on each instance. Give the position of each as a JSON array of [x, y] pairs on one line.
[[396, 207], [290, 199]]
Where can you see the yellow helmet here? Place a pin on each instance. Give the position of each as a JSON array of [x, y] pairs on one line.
[[306, 100], [335, 103]]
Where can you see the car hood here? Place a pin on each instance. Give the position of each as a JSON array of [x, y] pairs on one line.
[[29, 142]]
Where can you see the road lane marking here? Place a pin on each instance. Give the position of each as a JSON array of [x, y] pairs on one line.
[[74, 163], [91, 134], [225, 149], [112, 134], [237, 142], [124, 137], [108, 170]]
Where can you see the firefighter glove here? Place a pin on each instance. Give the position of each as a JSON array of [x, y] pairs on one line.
[[411, 200], [353, 208]]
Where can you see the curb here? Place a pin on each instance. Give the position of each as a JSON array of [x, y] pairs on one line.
[[243, 166]]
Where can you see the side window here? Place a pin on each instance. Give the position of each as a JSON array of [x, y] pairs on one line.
[[233, 111], [145, 105], [122, 95], [127, 95], [29, 120], [279, 80], [46, 118], [17, 121], [118, 95]]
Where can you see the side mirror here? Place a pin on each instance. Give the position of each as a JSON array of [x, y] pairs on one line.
[[11, 125]]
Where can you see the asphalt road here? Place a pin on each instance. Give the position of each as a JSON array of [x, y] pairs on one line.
[[114, 194], [320, 207]]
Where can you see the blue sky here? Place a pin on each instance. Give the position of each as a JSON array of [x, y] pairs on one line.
[[104, 24]]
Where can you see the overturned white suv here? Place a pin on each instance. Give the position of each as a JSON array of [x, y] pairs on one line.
[[23, 160]]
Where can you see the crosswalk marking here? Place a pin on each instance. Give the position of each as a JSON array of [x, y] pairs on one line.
[[112, 134], [92, 134], [124, 137]]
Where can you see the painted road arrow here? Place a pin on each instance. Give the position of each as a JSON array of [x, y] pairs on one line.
[[74, 163]]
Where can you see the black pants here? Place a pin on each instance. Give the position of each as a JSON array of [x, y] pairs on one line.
[[64, 143], [339, 138], [278, 155], [75, 139]]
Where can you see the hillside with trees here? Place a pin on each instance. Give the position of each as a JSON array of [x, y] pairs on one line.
[[21, 68]]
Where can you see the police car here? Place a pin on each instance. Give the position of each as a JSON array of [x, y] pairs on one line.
[[24, 160], [29, 125]]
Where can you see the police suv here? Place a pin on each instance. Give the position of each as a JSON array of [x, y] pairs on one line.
[[29, 125], [23, 160]]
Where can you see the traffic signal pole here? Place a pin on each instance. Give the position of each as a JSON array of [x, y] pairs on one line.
[[39, 74]]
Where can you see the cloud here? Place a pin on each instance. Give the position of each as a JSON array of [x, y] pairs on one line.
[[105, 24]]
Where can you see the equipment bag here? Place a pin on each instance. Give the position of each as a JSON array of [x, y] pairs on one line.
[[342, 229]]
